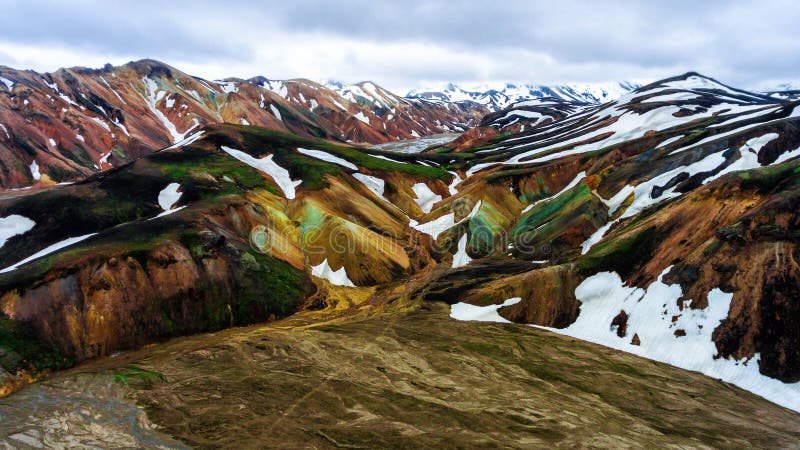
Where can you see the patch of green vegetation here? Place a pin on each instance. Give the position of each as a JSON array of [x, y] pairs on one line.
[[192, 167], [125, 374], [713, 247], [484, 229], [20, 338], [261, 286], [258, 140], [621, 254], [281, 290], [63, 213], [544, 211], [258, 286], [769, 178], [512, 173], [119, 153], [195, 244], [502, 136], [80, 156]]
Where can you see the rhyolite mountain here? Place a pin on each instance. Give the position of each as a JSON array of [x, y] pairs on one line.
[[64, 125], [663, 224], [500, 97]]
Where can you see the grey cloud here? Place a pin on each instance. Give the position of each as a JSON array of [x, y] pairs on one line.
[[144, 28], [741, 42]]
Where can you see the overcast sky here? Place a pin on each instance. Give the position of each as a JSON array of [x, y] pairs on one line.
[[409, 43]]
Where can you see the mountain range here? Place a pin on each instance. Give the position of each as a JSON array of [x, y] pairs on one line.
[[60, 126], [560, 266], [500, 97]]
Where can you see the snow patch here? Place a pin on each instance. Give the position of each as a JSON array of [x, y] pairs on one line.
[[51, 249], [13, 225], [426, 198], [152, 96], [456, 181], [441, 224], [189, 140], [360, 116], [276, 112], [9, 84], [104, 158], [102, 123], [669, 141], [269, 167], [374, 184], [388, 159], [466, 312], [650, 313], [112, 89], [336, 277], [228, 87], [169, 196], [787, 156], [748, 155], [643, 194], [327, 157], [461, 259], [35, 171]]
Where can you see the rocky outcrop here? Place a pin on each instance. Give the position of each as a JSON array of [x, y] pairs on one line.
[[116, 301], [547, 296]]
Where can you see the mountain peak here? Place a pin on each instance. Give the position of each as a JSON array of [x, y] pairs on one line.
[[334, 84]]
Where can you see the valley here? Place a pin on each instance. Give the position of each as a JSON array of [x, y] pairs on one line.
[[393, 379]]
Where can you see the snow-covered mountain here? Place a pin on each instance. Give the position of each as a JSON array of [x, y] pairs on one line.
[[500, 97]]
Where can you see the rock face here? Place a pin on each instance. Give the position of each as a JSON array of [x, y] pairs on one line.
[[97, 307], [64, 125], [548, 297]]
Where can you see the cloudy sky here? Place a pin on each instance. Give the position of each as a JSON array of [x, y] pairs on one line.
[[410, 44]]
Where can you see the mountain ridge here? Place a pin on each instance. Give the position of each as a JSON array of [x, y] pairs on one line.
[[76, 121]]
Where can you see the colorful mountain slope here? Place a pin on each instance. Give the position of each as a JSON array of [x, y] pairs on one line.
[[668, 207], [662, 224], [68, 124]]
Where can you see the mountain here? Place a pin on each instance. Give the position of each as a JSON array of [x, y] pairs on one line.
[[60, 126], [613, 244], [625, 202], [785, 91], [501, 97]]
